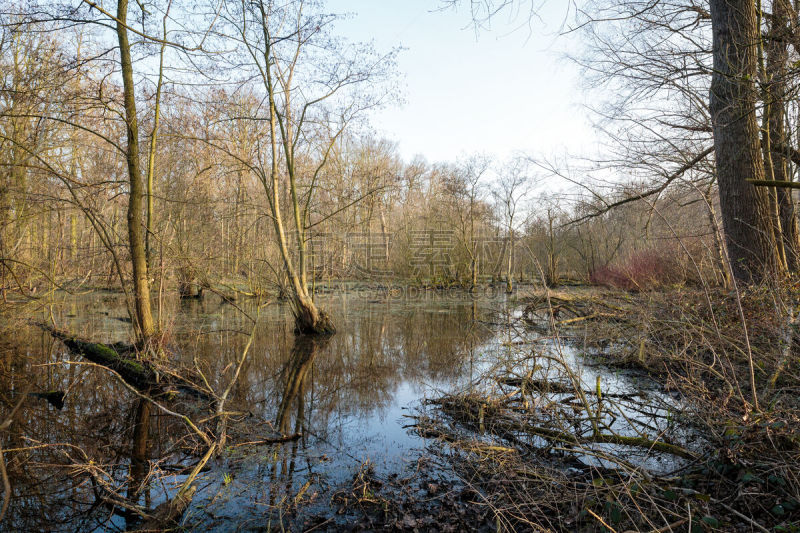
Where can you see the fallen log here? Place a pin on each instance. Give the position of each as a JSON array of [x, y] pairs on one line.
[[538, 385], [544, 386], [272, 440], [142, 375], [137, 373]]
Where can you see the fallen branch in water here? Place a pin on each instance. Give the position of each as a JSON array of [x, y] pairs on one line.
[[273, 440], [474, 411], [142, 375], [141, 395], [169, 513]]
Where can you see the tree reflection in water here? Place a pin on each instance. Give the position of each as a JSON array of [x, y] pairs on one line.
[[296, 373], [140, 464], [107, 453]]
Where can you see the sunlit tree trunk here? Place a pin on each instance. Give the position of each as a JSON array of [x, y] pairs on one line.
[[308, 318], [777, 57], [151, 159], [237, 215], [145, 327], [385, 237], [745, 210], [473, 245], [510, 264]]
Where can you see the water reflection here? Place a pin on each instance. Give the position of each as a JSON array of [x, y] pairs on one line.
[[139, 462], [296, 373], [346, 395]]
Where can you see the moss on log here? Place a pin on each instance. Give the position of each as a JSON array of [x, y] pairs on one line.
[[136, 373], [142, 375]]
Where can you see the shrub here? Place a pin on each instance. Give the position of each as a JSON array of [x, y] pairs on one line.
[[641, 270]]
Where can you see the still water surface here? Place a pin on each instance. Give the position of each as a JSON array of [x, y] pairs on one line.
[[349, 397]]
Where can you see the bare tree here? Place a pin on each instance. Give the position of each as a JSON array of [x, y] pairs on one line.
[[657, 46], [465, 190], [513, 184], [114, 102], [314, 86]]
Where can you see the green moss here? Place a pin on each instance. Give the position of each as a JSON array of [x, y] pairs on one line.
[[133, 372]]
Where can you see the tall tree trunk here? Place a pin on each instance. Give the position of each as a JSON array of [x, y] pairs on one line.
[[385, 240], [473, 246], [552, 258], [473, 268], [719, 246], [777, 56], [141, 284], [73, 243], [308, 319], [498, 267], [510, 264], [766, 140], [151, 156], [751, 241], [237, 225]]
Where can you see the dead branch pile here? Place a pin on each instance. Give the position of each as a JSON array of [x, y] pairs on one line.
[[715, 448]]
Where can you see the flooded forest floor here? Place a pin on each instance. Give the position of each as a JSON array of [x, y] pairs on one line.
[[575, 409]]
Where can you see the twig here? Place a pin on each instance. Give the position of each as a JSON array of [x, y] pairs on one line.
[[601, 520], [275, 440]]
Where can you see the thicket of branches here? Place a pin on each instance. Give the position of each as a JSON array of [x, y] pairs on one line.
[[239, 157], [366, 212]]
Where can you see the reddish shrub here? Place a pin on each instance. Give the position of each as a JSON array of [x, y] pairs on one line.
[[610, 276], [641, 270]]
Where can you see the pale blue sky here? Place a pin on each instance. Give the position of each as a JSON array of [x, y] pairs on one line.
[[498, 92]]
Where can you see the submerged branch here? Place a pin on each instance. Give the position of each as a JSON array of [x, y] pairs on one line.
[[473, 410]]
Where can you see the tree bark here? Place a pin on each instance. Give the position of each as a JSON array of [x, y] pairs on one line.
[[145, 327], [510, 264], [309, 319], [751, 242], [777, 57]]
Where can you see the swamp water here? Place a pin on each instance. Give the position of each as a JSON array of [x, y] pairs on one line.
[[350, 397]]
